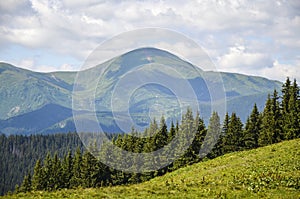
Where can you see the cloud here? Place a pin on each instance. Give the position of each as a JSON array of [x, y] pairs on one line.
[[269, 31], [280, 71], [239, 59]]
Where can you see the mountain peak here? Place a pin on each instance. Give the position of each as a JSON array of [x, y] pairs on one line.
[[149, 52]]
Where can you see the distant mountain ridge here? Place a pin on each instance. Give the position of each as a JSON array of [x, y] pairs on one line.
[[33, 102]]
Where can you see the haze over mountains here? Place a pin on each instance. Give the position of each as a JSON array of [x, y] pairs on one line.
[[33, 102]]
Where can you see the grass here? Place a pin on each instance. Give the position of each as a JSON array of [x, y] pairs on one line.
[[268, 172]]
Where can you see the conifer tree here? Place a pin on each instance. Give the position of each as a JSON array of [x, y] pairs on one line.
[[268, 123], [290, 116], [213, 133], [286, 91], [225, 124], [172, 132], [57, 179], [233, 138], [161, 138], [89, 170], [76, 179], [48, 172], [199, 137], [38, 178], [278, 133], [252, 129], [185, 138], [26, 184], [218, 149], [67, 170]]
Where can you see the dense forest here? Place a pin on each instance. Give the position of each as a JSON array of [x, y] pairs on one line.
[[69, 168], [19, 154]]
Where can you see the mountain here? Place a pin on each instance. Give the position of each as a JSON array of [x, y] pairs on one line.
[[33, 102], [266, 172]]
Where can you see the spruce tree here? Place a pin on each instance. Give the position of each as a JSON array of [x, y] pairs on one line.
[[218, 149], [286, 91], [268, 123], [291, 121], [89, 170], [199, 137], [225, 124], [48, 173], [76, 179], [252, 129], [278, 133], [188, 132], [26, 184], [213, 133], [185, 137], [233, 139], [57, 178], [38, 178], [67, 170], [161, 140]]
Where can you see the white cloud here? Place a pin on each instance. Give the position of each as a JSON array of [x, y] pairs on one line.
[[267, 30], [280, 71], [239, 59]]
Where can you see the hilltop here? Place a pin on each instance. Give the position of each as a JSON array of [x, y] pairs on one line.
[[267, 172]]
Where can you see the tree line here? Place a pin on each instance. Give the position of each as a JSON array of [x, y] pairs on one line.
[[279, 120]]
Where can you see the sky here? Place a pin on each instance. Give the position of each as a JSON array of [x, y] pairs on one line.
[[259, 38]]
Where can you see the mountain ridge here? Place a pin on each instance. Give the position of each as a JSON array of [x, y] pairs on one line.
[[23, 91]]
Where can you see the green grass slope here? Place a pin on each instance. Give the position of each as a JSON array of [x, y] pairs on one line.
[[268, 172]]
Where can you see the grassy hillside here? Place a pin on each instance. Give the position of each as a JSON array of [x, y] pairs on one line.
[[268, 172]]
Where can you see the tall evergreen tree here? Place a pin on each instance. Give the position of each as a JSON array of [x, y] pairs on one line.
[[213, 133], [76, 179], [233, 138], [268, 123], [199, 137], [38, 178], [57, 179], [225, 124], [172, 132], [219, 146], [290, 111], [48, 172], [185, 137], [89, 170], [286, 91], [278, 133], [161, 138], [67, 170], [26, 184], [252, 129]]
